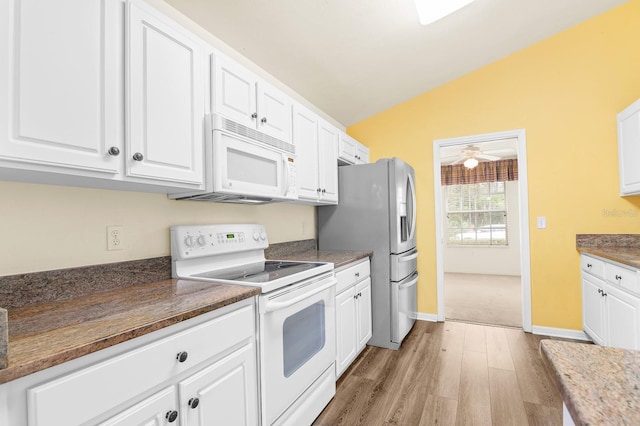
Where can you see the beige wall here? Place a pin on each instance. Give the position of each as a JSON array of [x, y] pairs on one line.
[[45, 227]]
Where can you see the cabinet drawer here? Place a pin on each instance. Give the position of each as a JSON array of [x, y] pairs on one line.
[[623, 277], [124, 377], [592, 265], [352, 274]]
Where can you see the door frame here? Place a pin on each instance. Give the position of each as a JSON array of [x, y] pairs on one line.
[[523, 201]]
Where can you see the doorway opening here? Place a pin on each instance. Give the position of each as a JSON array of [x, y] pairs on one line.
[[482, 236]]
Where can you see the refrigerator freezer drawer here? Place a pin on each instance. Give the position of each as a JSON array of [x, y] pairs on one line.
[[403, 307], [403, 264]]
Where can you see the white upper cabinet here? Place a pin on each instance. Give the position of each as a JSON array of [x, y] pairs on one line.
[[61, 83], [243, 97], [315, 142], [166, 98], [629, 149], [327, 161], [80, 101], [350, 151]]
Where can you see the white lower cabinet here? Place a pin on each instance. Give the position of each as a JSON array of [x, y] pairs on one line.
[[610, 303], [353, 312], [202, 371], [223, 393]]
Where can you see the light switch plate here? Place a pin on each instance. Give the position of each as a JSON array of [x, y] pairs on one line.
[[542, 222]]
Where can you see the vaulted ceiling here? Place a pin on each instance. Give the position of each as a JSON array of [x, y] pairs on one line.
[[355, 58]]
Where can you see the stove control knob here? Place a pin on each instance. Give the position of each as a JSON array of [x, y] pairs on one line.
[[188, 241], [202, 241], [256, 235], [263, 236]]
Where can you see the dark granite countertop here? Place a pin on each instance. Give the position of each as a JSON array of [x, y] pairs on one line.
[[629, 256], [338, 258], [599, 385], [56, 316], [46, 334], [621, 248]]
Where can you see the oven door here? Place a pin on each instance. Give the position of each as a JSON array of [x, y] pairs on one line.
[[297, 341], [244, 167]]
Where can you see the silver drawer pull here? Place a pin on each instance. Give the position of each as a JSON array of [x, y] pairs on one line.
[[618, 277], [589, 266]]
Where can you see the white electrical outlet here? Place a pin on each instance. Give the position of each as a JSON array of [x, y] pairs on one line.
[[114, 237]]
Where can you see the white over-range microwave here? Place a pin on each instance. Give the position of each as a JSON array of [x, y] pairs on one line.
[[243, 165]]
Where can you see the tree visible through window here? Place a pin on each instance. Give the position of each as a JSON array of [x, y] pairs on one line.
[[477, 214]]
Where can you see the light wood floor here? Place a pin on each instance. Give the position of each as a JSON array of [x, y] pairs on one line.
[[449, 373], [485, 299]]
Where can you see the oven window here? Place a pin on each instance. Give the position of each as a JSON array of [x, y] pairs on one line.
[[303, 336]]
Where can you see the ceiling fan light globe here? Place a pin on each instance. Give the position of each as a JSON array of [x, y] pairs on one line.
[[470, 163]]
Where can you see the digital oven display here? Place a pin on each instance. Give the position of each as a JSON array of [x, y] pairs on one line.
[[231, 236]]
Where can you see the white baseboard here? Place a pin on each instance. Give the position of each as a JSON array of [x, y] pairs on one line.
[[426, 317], [560, 332]]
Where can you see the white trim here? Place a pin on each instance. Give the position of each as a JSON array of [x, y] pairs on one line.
[[426, 317], [565, 333], [525, 261]]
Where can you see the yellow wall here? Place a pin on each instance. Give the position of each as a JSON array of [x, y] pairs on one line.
[[565, 91]]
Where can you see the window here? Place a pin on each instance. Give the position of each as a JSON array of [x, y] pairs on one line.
[[477, 214]]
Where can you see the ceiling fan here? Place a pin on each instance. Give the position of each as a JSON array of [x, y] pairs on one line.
[[470, 155]]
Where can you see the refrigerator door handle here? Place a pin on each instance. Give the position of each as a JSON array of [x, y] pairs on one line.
[[408, 284], [408, 258], [412, 231]]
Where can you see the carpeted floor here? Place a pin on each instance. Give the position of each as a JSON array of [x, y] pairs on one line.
[[484, 299]]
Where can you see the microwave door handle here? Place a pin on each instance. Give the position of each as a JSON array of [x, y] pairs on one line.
[[408, 258], [413, 207], [270, 306]]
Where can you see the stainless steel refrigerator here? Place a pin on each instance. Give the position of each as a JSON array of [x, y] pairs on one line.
[[377, 212]]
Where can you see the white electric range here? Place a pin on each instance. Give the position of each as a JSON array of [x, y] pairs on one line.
[[296, 313]]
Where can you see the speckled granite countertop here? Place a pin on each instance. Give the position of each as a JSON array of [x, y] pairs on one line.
[[599, 385], [56, 316], [338, 258], [50, 333], [621, 248]]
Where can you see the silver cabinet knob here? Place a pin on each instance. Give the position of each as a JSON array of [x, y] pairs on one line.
[[254, 115], [138, 156], [114, 151], [263, 120]]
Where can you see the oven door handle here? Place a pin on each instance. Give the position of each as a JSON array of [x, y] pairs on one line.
[[271, 306]]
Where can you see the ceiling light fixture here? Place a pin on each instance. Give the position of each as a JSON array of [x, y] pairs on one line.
[[470, 163], [432, 10]]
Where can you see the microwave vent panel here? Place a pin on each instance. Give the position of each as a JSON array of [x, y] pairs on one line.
[[239, 129]]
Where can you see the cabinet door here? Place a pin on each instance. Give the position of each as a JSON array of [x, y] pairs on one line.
[[235, 91], [61, 83], [347, 149], [623, 316], [362, 154], [166, 97], [345, 329], [593, 306], [153, 411], [328, 162], [305, 139], [629, 149], [225, 393], [274, 112], [363, 292]]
